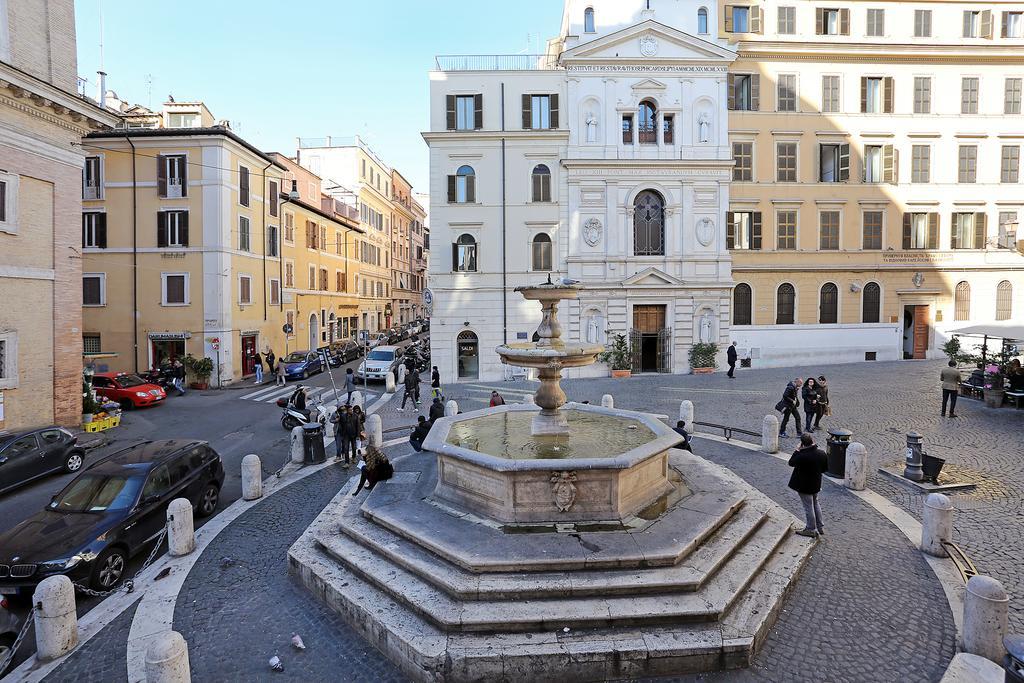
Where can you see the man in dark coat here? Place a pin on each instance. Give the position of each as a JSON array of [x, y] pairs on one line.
[[419, 433], [412, 388], [680, 429], [810, 396], [435, 383], [823, 407], [436, 410], [348, 431], [808, 462], [789, 406], [731, 355]]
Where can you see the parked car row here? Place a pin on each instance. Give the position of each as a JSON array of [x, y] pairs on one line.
[[27, 455]]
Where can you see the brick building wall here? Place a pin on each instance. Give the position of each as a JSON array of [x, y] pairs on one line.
[[42, 40]]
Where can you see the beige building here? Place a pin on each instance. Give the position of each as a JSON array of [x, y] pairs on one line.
[[876, 191], [181, 245], [42, 120], [406, 222]]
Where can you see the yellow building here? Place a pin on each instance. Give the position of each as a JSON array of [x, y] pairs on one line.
[[319, 265], [181, 245], [876, 191], [42, 119], [353, 174]]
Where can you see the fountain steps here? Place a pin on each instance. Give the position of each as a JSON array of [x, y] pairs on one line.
[[425, 653], [450, 614], [403, 508], [461, 584]]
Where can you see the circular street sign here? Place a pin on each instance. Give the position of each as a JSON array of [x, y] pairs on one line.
[[287, 328], [428, 297]]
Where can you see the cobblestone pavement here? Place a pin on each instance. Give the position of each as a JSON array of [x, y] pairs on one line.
[[102, 659], [239, 606], [880, 403], [867, 606]]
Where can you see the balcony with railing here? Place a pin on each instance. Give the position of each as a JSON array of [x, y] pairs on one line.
[[496, 63]]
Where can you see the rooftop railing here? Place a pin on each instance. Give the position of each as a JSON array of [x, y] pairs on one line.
[[496, 62]]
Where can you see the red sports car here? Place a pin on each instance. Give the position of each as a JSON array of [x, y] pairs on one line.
[[131, 391]]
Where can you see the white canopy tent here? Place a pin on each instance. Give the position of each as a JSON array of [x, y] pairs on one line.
[[1007, 330]]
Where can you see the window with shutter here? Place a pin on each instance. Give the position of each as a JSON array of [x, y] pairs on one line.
[[740, 19], [871, 222], [465, 112], [727, 18], [175, 289], [94, 230], [829, 230], [833, 163], [244, 290], [275, 292], [968, 164], [1012, 25], [243, 186], [890, 165], [541, 182], [289, 274], [478, 111], [1004, 300], [876, 22], [464, 191], [743, 158], [742, 299], [888, 95], [786, 21], [92, 184], [962, 302], [872, 164], [969, 95], [1012, 95], [527, 111], [449, 118], [756, 19], [464, 254], [93, 289], [785, 163], [785, 237], [786, 92], [1009, 170], [919, 229], [872, 303], [922, 95], [830, 92], [542, 252], [161, 229], [922, 23], [273, 198], [243, 233]]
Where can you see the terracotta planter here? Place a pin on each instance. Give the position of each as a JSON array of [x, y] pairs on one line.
[[703, 371], [200, 386], [621, 373]]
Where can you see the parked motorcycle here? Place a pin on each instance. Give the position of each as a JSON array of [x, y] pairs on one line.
[[291, 417]]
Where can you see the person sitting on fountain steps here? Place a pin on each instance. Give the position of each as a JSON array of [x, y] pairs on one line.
[[680, 429], [808, 463], [375, 467]]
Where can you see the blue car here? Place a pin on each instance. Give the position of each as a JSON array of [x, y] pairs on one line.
[[302, 364]]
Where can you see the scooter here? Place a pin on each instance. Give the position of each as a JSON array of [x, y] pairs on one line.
[[292, 417]]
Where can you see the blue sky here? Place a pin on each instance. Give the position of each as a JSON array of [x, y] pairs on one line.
[[309, 68]]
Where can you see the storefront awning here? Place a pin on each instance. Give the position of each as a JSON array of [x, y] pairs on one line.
[[1000, 330]]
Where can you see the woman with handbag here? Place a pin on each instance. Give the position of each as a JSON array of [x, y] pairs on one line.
[[374, 468], [824, 408], [810, 396]]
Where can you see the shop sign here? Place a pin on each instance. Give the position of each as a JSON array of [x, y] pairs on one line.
[[166, 336]]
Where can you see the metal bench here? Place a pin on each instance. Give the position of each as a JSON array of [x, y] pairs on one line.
[[1017, 397], [971, 390]]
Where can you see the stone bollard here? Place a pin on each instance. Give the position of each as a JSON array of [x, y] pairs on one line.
[[181, 533], [252, 477], [55, 617], [389, 383], [167, 659], [985, 613], [357, 400], [856, 467], [770, 434], [528, 400], [607, 401], [936, 524], [686, 415], [375, 431], [298, 455], [401, 373], [451, 408]]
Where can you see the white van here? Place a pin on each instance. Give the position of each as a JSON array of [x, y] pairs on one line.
[[379, 362]]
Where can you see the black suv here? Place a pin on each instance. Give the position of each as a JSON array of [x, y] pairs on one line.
[[109, 512], [34, 453]]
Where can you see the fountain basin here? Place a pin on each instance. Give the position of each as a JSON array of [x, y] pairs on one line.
[[525, 479]]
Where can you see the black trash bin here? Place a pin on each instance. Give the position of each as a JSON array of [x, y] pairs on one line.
[[838, 441], [1013, 662], [313, 444], [932, 467]]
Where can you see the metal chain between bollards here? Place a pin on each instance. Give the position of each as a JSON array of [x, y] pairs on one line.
[[9, 657], [129, 585]]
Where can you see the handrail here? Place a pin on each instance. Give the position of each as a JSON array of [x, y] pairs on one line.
[[960, 559], [727, 430]]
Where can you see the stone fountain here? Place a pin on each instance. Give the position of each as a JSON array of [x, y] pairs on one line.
[[556, 541]]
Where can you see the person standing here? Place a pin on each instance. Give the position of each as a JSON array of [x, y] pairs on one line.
[[435, 383], [350, 436], [257, 361], [808, 463], [270, 361], [179, 376], [731, 356], [359, 420], [789, 406], [350, 385], [810, 396], [823, 406], [950, 378], [412, 383], [282, 374], [338, 420], [496, 399]]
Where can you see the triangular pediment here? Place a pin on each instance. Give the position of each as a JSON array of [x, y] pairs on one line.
[[651, 277], [649, 84], [648, 41]]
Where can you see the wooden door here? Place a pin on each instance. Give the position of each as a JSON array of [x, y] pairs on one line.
[[649, 319], [920, 331], [248, 352]]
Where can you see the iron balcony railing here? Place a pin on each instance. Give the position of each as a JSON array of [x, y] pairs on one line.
[[496, 62]]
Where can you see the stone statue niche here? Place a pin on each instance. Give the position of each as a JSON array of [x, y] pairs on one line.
[[591, 121], [704, 122]]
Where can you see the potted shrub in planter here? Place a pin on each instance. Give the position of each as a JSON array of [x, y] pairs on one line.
[[201, 369], [704, 358], [89, 405], [618, 356], [994, 387]]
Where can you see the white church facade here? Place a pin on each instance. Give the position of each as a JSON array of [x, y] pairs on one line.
[[606, 161]]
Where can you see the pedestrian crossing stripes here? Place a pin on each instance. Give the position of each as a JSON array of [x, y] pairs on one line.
[[271, 394]]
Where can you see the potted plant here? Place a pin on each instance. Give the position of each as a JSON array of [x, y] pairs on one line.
[[618, 356], [994, 386], [953, 350], [704, 358], [89, 405], [201, 369]]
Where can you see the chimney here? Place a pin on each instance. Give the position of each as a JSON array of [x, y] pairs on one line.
[[103, 88]]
